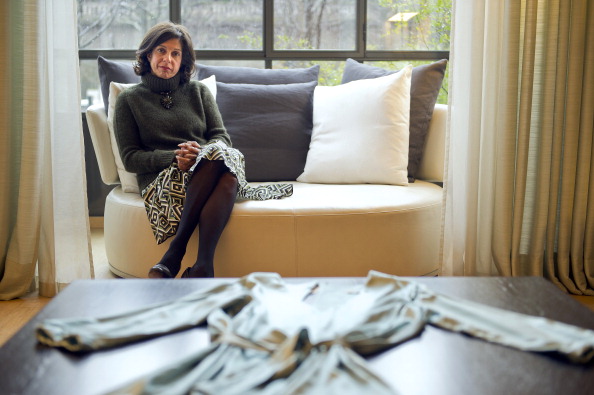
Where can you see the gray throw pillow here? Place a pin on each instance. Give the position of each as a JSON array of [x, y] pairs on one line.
[[249, 75], [425, 85], [271, 125], [109, 71]]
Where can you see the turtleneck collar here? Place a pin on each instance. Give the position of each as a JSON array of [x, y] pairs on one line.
[[159, 85]]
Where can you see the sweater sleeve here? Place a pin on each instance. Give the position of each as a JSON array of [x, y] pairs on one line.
[[214, 121], [83, 334], [135, 157]]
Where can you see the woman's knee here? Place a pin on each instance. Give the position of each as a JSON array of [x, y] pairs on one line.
[[205, 166], [207, 170], [229, 182]]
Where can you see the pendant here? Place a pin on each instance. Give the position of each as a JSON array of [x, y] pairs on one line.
[[166, 100]]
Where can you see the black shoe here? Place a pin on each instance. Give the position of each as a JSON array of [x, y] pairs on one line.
[[160, 271]]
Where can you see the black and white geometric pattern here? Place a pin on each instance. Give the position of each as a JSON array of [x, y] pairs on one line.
[[235, 161], [164, 201], [164, 197]]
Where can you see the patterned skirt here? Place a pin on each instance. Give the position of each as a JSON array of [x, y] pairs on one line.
[[164, 198]]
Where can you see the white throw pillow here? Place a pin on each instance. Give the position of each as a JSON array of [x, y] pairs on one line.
[[128, 180], [360, 132]]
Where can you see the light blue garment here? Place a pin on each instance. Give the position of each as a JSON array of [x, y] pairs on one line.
[[270, 337]]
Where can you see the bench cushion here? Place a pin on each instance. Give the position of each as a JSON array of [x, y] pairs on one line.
[[322, 230]]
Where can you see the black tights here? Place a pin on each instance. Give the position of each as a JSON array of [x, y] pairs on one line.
[[210, 197]]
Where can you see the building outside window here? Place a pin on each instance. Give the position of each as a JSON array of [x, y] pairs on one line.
[[271, 33]]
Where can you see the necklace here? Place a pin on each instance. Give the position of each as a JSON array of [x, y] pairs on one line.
[[166, 100]]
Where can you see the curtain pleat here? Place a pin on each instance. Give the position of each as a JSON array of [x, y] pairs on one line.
[[523, 133], [579, 152], [550, 83], [588, 124], [506, 143], [558, 110], [569, 153], [24, 170]]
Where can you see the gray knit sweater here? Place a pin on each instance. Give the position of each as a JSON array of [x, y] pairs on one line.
[[148, 134]]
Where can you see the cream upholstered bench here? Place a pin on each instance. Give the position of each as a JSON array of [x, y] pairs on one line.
[[322, 230]]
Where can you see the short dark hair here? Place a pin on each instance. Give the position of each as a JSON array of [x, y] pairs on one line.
[[157, 35]]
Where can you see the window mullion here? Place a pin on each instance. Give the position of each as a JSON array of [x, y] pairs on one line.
[[175, 11], [268, 33], [361, 26]]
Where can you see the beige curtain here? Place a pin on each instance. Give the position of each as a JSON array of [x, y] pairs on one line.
[[520, 167], [44, 226]]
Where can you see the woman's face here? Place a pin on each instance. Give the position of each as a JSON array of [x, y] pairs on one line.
[[166, 58]]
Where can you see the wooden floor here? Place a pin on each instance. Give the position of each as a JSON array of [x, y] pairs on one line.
[[16, 313]]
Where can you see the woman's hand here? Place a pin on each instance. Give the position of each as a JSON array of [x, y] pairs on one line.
[[186, 154]]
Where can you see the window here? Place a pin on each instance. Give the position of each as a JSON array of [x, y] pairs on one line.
[[233, 25], [271, 33], [315, 25]]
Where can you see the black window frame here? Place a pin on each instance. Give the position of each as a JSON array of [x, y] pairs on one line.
[[268, 54]]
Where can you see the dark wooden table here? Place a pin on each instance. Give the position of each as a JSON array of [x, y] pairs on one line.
[[436, 362]]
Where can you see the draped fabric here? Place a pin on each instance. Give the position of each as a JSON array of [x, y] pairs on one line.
[[272, 337], [519, 190], [44, 226]]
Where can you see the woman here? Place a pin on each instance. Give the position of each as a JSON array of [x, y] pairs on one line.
[[171, 134]]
